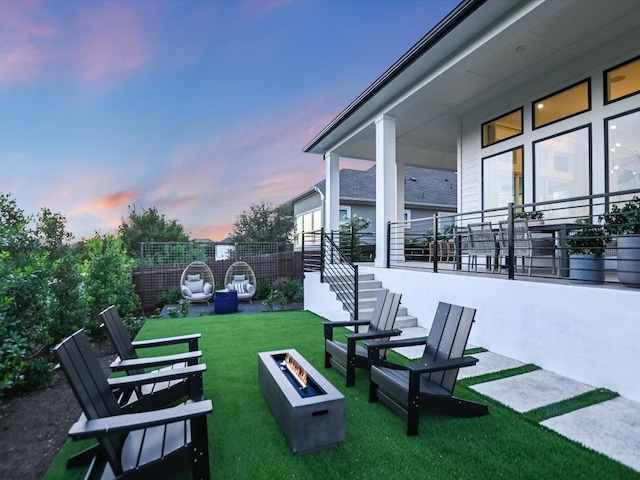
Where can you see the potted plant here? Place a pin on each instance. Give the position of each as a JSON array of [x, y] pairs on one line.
[[586, 253], [533, 218], [624, 224]]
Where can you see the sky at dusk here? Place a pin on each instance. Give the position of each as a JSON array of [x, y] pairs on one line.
[[198, 108]]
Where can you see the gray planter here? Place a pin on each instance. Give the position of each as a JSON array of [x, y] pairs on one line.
[[629, 260], [586, 269]]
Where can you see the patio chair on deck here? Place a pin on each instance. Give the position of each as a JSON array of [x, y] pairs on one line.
[[482, 242], [153, 394], [428, 384], [145, 444], [524, 245], [346, 357]]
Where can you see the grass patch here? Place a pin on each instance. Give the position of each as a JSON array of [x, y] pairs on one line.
[[560, 408], [245, 441], [488, 377]]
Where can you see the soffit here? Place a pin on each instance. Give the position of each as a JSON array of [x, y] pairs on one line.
[[477, 63]]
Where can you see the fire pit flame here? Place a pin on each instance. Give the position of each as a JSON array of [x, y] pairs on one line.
[[299, 373]]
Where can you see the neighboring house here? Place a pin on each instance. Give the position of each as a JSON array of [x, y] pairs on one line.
[[534, 99], [427, 192]]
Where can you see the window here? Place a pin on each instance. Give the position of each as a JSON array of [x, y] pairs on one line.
[[345, 214], [564, 104], [622, 81], [502, 179], [502, 128], [406, 216], [562, 166], [308, 222], [623, 156]]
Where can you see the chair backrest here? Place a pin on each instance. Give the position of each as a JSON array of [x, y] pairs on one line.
[[240, 268], [119, 336], [90, 387], [483, 240], [385, 311], [198, 268], [448, 339], [521, 237]]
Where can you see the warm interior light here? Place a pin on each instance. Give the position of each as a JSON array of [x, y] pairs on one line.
[[540, 105], [613, 127]]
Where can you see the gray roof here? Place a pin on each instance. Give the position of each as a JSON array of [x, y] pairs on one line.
[[422, 186]]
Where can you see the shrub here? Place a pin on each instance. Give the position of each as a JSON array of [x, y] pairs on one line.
[[276, 297], [170, 297], [264, 288], [293, 290]]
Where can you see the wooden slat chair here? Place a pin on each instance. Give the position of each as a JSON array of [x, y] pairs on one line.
[[346, 357], [154, 395], [147, 444], [428, 384]]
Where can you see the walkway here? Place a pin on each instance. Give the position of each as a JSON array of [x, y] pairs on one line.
[[611, 427]]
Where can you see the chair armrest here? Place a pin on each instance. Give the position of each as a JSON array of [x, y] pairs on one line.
[[373, 335], [192, 339], [146, 362], [405, 342], [135, 421], [448, 364], [155, 377], [329, 326]]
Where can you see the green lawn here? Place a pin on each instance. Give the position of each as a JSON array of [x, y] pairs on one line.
[[245, 441]]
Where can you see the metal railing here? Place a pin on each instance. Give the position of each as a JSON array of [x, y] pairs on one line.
[[494, 241], [321, 253]]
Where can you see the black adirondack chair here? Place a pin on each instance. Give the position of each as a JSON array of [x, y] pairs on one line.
[[346, 357], [157, 394], [428, 384], [147, 444]]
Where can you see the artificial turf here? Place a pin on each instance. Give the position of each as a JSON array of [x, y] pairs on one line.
[[245, 441]]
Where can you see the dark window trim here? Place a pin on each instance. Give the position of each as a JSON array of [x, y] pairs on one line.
[[606, 147], [606, 84], [589, 128], [588, 109], [482, 159], [521, 109]]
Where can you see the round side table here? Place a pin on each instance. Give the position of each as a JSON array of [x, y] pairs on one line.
[[225, 301]]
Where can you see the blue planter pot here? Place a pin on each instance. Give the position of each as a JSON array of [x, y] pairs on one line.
[[586, 269], [629, 260]]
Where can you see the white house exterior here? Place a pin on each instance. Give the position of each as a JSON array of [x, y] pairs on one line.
[[550, 88]]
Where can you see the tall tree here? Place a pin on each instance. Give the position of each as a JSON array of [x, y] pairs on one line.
[[148, 226], [264, 223]]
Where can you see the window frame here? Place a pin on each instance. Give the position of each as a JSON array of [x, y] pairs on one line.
[[558, 92], [605, 82], [509, 150], [607, 146], [482, 125]]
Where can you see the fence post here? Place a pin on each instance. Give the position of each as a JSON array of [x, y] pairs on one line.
[[511, 245], [322, 255], [436, 246], [353, 243], [355, 294]]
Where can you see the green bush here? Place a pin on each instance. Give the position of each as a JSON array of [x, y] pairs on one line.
[[264, 288], [275, 298], [293, 290], [170, 297]]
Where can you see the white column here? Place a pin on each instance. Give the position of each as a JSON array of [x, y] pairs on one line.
[[331, 212], [386, 184]]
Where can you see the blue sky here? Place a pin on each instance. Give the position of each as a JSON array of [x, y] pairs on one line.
[[199, 108]]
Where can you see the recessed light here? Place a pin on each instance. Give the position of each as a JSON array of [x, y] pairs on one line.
[[540, 105], [521, 48], [613, 127]]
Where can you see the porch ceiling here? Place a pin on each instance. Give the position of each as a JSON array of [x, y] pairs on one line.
[[501, 47]]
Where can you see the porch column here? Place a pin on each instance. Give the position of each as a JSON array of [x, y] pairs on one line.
[[331, 220], [386, 184]]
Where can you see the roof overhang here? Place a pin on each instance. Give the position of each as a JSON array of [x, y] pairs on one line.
[[476, 54]]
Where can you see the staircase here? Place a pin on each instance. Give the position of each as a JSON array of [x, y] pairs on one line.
[[368, 288]]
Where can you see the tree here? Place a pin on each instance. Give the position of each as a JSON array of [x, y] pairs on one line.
[[264, 223], [148, 226]]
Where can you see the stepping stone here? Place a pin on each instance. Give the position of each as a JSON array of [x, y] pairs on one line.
[[611, 428], [531, 390], [488, 362]]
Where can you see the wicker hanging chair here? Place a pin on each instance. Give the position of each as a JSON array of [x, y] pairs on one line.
[[197, 283], [240, 277]]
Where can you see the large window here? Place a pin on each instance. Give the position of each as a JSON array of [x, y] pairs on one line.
[[308, 222], [623, 158], [622, 81], [502, 128], [502, 180], [562, 166], [564, 104]]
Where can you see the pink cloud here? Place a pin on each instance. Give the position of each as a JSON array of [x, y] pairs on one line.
[[112, 42]]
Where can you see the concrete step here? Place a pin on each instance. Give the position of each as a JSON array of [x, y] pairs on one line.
[[362, 286]]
